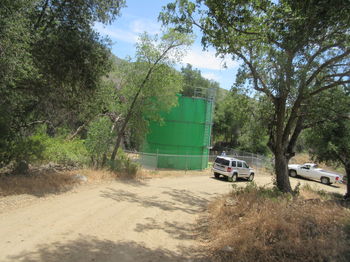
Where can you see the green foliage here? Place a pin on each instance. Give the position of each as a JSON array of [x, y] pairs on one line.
[[123, 165], [230, 116], [65, 152], [99, 139], [51, 64], [239, 122], [57, 149], [329, 134], [28, 149], [193, 79], [262, 192]]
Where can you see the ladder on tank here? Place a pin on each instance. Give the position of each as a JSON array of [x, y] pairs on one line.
[[207, 123], [209, 109]]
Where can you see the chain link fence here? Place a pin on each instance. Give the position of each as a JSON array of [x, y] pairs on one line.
[[154, 161]]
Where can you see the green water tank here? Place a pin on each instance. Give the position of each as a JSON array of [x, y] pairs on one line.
[[183, 140]]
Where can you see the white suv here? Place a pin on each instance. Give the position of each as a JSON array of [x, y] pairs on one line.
[[232, 168]]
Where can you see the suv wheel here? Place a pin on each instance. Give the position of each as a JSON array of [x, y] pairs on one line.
[[233, 178], [217, 175], [251, 177]]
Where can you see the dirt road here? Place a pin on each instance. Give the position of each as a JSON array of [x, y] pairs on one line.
[[141, 221]]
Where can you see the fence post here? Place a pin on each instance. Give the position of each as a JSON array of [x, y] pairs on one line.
[[157, 159]]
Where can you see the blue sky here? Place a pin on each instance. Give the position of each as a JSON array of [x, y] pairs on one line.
[[140, 16]]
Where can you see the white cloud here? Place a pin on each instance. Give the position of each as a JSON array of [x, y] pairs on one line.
[[207, 59], [211, 76], [117, 34], [143, 25], [131, 33]]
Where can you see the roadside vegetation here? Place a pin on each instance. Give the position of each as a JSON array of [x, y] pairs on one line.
[[262, 224]]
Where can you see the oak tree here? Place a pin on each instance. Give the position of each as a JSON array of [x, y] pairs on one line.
[[291, 51]]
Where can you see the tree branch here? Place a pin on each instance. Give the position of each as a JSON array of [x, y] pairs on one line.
[[256, 77], [328, 87], [325, 64], [316, 123], [347, 73], [320, 51], [41, 14], [297, 130]]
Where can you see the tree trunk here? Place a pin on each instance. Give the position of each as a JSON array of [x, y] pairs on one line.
[[79, 129], [281, 169], [277, 144], [104, 160], [117, 144], [347, 170]]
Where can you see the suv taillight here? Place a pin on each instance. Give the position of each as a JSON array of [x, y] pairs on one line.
[[336, 178], [229, 169]]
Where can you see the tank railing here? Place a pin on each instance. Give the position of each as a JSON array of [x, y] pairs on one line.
[[206, 93]]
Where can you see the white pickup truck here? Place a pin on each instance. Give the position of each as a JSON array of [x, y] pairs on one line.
[[311, 171]]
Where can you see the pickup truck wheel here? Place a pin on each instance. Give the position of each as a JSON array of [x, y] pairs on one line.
[[292, 173], [233, 178], [251, 177], [217, 175], [325, 180]]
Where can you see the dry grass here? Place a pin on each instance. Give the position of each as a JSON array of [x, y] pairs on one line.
[[313, 192], [49, 182], [39, 185], [257, 224], [95, 175], [301, 159]]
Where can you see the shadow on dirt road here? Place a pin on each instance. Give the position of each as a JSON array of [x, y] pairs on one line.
[[88, 249]]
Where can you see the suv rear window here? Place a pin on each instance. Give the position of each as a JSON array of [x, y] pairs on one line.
[[222, 161]]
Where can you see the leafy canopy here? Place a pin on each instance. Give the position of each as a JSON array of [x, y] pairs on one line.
[[51, 63]]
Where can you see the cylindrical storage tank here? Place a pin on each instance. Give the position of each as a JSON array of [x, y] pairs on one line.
[[182, 141]]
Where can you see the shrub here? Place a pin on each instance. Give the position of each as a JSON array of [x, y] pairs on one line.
[[260, 192], [98, 140], [65, 152], [124, 165], [40, 147], [59, 150], [28, 149]]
